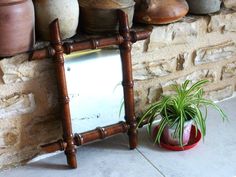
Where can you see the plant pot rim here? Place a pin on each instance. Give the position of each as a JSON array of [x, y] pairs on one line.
[[191, 144]]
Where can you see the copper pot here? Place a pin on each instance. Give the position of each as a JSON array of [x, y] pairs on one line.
[[100, 16], [16, 26], [160, 11]]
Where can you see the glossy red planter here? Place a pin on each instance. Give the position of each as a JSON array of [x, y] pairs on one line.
[[193, 141]]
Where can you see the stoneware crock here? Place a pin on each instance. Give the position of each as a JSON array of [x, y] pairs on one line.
[[100, 16], [16, 27], [67, 11]]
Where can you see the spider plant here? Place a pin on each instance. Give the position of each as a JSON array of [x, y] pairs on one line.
[[180, 107]]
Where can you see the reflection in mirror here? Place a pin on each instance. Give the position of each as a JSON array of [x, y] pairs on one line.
[[94, 87]]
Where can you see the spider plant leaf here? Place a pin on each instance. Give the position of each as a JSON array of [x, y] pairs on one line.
[[201, 121], [215, 106], [196, 85], [121, 107], [177, 129], [162, 125], [185, 84], [196, 127], [181, 132], [149, 127]]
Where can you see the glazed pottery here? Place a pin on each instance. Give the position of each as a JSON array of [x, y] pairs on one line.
[[67, 11], [160, 11], [100, 16], [195, 137], [16, 27], [204, 6], [169, 137]]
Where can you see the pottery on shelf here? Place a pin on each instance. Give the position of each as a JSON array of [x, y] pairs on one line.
[[204, 6], [100, 16], [160, 11], [67, 11], [16, 27]]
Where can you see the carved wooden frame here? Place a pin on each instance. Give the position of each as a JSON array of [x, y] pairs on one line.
[[124, 40]]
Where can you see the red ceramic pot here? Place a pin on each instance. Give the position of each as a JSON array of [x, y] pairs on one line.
[[16, 27], [160, 11], [169, 137], [193, 141]]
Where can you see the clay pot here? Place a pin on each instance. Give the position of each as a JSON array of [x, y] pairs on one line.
[[204, 6], [169, 138], [160, 11], [100, 16], [16, 26], [67, 11]]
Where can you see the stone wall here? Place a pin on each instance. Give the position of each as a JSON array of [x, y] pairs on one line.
[[198, 47], [28, 108], [195, 48]]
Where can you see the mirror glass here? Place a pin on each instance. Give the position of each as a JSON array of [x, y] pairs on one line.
[[94, 86]]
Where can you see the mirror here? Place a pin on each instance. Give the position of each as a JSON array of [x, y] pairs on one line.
[[94, 88]]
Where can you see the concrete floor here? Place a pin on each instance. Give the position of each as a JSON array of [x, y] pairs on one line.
[[215, 157]]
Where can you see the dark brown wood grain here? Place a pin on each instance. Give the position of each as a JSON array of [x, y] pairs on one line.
[[89, 136], [128, 83], [56, 44], [56, 50]]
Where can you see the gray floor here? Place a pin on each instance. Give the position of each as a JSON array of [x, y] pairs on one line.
[[215, 157]]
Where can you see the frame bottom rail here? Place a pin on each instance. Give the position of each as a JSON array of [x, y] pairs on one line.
[[87, 137]]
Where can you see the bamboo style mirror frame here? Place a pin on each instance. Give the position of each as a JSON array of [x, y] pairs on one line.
[[56, 50]]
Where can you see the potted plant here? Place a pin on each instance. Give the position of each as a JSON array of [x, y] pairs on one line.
[[179, 112]]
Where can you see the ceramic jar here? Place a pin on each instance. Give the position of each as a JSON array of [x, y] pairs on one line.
[[204, 6], [67, 11], [100, 16], [160, 11], [16, 27]]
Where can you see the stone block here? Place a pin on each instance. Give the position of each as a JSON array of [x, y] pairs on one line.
[[151, 69], [14, 157], [223, 22], [10, 138], [41, 132], [153, 94], [195, 76], [16, 105], [19, 69], [140, 47], [229, 70], [182, 61], [215, 53], [178, 33], [231, 4], [220, 93]]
